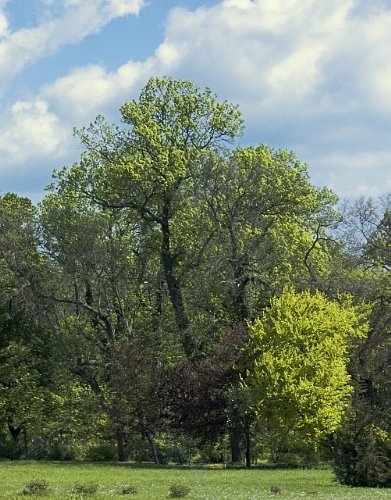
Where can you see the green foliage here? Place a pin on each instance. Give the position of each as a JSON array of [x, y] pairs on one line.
[[179, 490], [298, 379], [36, 487], [101, 453], [128, 490], [22, 398], [264, 206], [85, 489], [117, 292], [172, 122], [362, 455]]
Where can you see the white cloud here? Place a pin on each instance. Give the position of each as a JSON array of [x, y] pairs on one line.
[[3, 24], [268, 50], [308, 75], [91, 90], [352, 174], [116, 8], [77, 20], [30, 132]]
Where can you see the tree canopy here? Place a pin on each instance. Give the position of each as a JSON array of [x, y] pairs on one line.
[[175, 287], [298, 379]]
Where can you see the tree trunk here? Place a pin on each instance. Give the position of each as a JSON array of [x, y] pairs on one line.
[[236, 452], [15, 431], [173, 284], [236, 435], [25, 442], [248, 442], [153, 448], [121, 445]]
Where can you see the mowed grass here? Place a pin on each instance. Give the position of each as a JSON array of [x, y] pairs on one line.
[[120, 481]]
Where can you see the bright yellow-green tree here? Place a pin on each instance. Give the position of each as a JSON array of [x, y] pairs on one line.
[[298, 383]]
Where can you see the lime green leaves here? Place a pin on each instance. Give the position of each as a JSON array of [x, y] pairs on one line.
[[299, 349]]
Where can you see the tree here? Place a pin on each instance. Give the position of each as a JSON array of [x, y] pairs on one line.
[[153, 169], [271, 230], [101, 291], [20, 260], [197, 392], [272, 227], [161, 239], [298, 379], [21, 395], [28, 353], [182, 204], [362, 444]]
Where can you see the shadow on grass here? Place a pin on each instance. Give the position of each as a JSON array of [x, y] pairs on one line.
[[153, 466]]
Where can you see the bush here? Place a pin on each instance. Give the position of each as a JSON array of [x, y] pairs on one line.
[[363, 456], [10, 449], [61, 453], [102, 453], [129, 490], [179, 490], [85, 489], [35, 487]]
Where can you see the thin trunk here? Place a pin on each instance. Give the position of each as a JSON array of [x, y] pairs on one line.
[[25, 442], [236, 436], [153, 448], [121, 445], [241, 314], [241, 280], [248, 442]]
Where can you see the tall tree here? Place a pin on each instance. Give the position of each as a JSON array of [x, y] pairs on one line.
[[153, 168], [103, 291], [272, 226], [272, 229], [362, 451]]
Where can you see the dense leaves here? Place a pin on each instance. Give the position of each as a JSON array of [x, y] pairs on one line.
[[127, 296], [298, 380]]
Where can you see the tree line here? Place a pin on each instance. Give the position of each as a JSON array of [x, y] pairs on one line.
[[182, 297]]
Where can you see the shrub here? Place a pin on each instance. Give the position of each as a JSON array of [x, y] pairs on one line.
[[85, 489], [129, 490], [179, 490], [102, 453], [10, 449], [363, 456], [35, 487]]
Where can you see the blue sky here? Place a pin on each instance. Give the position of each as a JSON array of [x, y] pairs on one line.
[[309, 75]]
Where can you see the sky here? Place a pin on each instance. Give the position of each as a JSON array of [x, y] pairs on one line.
[[312, 76]]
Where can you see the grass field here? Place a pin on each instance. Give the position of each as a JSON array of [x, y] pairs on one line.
[[72, 480]]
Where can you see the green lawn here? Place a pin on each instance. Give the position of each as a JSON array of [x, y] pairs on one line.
[[154, 483]]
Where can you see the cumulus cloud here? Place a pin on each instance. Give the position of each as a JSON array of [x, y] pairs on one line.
[[90, 90], [30, 131], [3, 24], [116, 8], [352, 174], [64, 23], [311, 76]]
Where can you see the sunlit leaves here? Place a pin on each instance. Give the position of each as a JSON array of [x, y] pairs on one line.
[[300, 347]]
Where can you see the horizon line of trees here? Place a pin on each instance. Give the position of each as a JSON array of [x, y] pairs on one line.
[[178, 296]]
